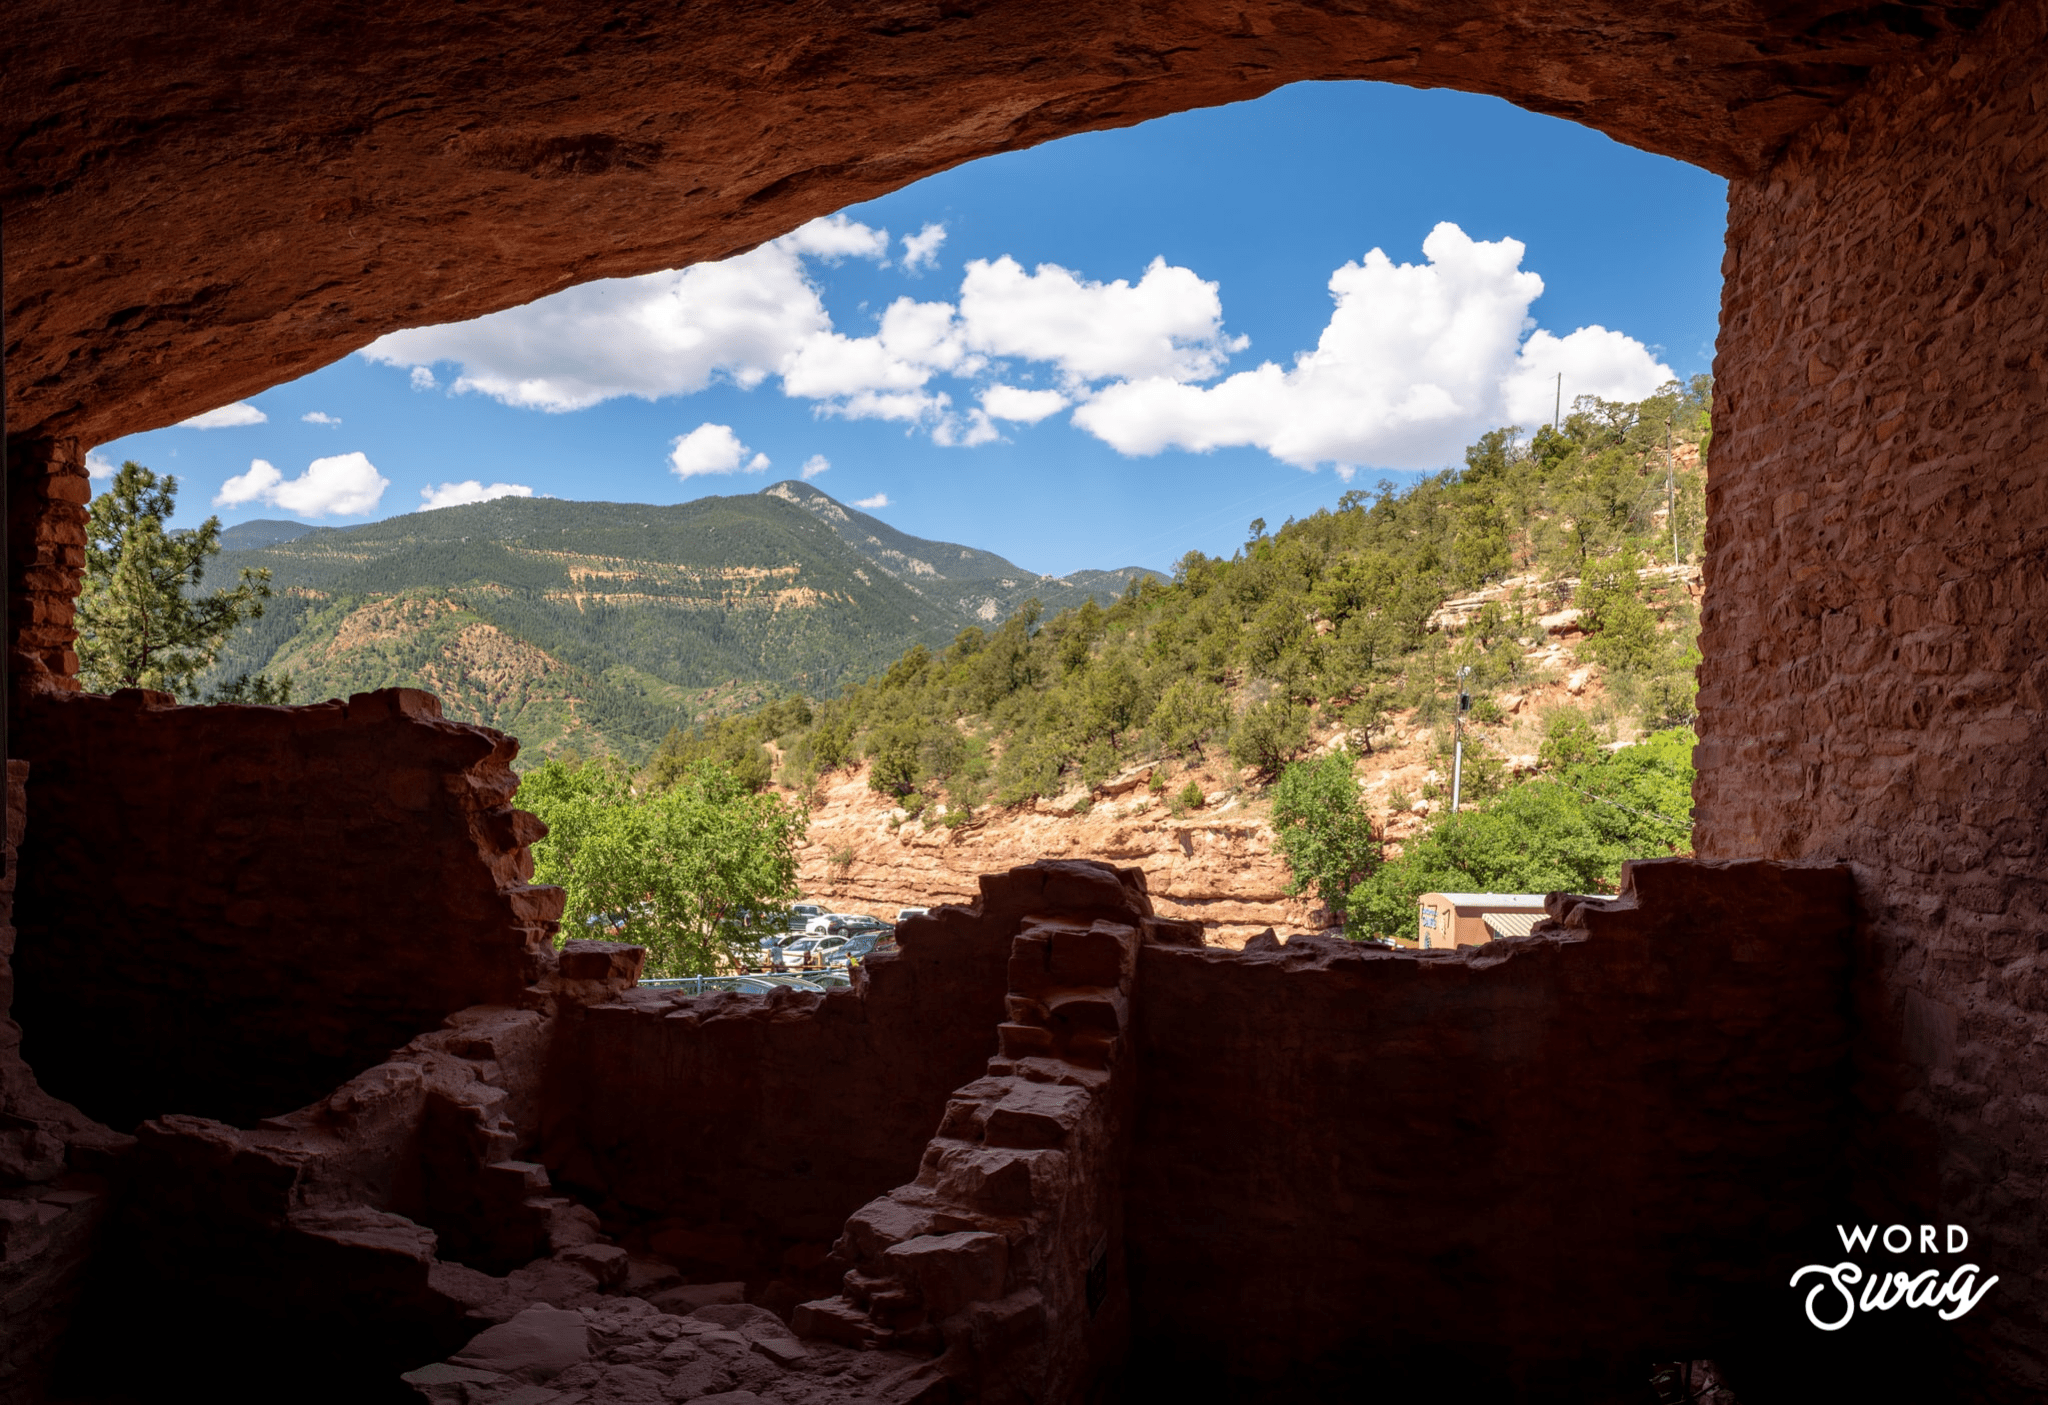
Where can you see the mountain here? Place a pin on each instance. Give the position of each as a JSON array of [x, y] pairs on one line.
[[264, 531], [979, 585], [598, 626]]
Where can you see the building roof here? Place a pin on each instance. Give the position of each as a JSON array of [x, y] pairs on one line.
[[1515, 902], [1511, 924]]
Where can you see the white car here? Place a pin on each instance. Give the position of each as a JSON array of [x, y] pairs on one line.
[[903, 913], [822, 924], [807, 951]]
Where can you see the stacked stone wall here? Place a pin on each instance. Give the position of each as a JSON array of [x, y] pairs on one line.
[[227, 911], [48, 490], [1537, 1164], [736, 1134], [1875, 632]]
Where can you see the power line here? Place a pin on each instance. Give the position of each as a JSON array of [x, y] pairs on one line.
[[1616, 804]]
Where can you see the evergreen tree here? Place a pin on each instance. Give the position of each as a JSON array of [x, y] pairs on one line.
[[142, 622]]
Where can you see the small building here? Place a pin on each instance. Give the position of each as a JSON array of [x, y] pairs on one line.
[[1450, 920]]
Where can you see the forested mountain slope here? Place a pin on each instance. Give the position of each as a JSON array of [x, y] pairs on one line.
[[1339, 617], [600, 626], [1550, 577]]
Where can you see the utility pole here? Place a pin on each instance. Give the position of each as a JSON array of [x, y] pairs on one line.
[[1458, 731]]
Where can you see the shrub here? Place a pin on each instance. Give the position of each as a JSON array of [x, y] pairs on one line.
[[1268, 735], [1188, 714]]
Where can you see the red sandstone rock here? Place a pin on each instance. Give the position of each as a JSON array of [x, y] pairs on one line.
[[206, 199], [538, 1344], [1873, 691]]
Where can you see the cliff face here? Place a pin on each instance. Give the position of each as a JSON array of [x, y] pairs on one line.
[[1214, 865]]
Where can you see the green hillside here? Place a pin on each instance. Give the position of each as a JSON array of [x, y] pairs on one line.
[[599, 626], [1343, 619]]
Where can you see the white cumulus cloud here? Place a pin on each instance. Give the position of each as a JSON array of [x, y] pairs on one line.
[[98, 465], [1170, 323], [815, 465], [1593, 360], [1417, 359], [319, 417], [1020, 406], [343, 485], [712, 448], [661, 334], [226, 417], [878, 500], [921, 250], [469, 491]]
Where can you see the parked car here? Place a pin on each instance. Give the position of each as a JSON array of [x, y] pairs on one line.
[[904, 914], [862, 946], [800, 915], [857, 925], [809, 982], [790, 957], [706, 985], [828, 947], [833, 924]]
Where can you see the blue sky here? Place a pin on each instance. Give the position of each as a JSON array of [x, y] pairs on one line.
[[1257, 360]]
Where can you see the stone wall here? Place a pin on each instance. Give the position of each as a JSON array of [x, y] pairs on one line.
[[54, 1163], [227, 911], [1004, 1257], [1876, 619], [736, 1134], [48, 489], [1544, 1161], [1526, 1169]]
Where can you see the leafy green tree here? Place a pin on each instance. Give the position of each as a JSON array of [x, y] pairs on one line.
[[142, 622], [1568, 831], [893, 765], [1321, 828], [680, 871]]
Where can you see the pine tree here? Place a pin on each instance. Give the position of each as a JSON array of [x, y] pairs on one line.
[[142, 622]]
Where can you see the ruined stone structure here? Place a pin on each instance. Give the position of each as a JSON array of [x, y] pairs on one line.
[[1051, 1147]]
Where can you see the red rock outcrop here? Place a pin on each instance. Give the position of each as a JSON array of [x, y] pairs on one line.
[[281, 895], [1215, 865], [204, 199], [1874, 689]]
